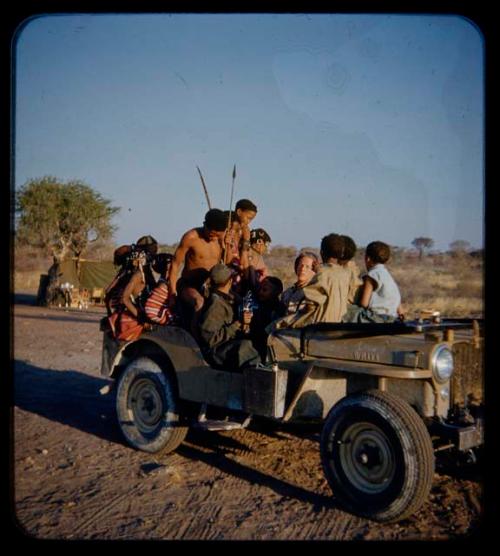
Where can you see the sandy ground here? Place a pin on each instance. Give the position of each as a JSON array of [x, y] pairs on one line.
[[75, 478]]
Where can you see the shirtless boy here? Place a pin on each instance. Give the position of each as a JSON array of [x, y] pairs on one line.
[[200, 250], [244, 212]]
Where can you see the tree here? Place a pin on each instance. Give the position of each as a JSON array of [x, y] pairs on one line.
[[422, 243], [459, 247], [62, 218]]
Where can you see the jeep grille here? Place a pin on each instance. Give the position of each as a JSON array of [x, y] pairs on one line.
[[467, 379]]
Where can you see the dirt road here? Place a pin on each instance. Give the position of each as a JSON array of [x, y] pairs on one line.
[[75, 478]]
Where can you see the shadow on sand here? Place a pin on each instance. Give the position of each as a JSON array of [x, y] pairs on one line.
[[68, 397]]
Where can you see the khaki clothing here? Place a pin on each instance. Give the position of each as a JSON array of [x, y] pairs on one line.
[[325, 298], [293, 299], [355, 282]]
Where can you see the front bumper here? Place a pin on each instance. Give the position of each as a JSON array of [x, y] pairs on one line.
[[463, 437]]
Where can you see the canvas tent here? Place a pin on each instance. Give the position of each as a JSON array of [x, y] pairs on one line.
[[82, 274]]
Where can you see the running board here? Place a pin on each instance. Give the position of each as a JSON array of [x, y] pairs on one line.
[[218, 425], [214, 425]]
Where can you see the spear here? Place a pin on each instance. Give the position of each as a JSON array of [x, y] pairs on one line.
[[204, 188], [230, 208]]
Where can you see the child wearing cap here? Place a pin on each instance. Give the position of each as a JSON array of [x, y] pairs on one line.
[[257, 247], [222, 339]]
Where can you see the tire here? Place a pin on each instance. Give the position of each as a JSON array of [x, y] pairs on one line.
[[147, 408], [377, 456]]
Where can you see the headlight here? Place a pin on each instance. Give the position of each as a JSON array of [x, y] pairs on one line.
[[442, 364]]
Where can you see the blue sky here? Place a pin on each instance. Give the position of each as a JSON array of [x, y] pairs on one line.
[[367, 125]]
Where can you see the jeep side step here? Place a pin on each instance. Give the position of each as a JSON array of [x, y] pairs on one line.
[[218, 424]]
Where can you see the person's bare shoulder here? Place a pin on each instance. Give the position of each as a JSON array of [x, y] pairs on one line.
[[190, 236]]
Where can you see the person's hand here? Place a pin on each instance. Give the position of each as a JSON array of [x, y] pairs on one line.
[[172, 298], [245, 232], [247, 317], [229, 237]]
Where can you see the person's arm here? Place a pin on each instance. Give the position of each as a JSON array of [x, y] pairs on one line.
[[107, 295], [256, 271], [130, 290], [214, 326], [355, 283], [177, 262], [367, 289], [400, 311]]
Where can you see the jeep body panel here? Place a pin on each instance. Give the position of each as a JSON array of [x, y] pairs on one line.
[[316, 367], [196, 380]]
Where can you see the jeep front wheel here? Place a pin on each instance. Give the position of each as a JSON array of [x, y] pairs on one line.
[[147, 407], [377, 456]]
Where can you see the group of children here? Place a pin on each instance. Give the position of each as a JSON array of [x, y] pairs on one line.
[[225, 297]]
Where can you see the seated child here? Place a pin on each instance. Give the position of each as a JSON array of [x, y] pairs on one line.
[[128, 319], [257, 269], [326, 296], [156, 306], [380, 298], [223, 340], [122, 258], [268, 309]]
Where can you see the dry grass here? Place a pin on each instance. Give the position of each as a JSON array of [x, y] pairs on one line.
[[451, 285]]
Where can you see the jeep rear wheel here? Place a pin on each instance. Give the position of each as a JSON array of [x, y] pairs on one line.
[[147, 407], [377, 456]]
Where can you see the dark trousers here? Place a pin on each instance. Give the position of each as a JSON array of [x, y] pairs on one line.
[[234, 355]]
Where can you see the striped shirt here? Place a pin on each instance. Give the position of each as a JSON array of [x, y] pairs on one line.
[[155, 307]]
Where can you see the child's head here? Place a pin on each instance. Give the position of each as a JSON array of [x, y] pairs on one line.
[[349, 250], [259, 240], [161, 263], [121, 255], [245, 211], [377, 252], [270, 289], [339, 247], [221, 276], [148, 244]]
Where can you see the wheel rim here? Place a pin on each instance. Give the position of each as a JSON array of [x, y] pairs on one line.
[[145, 404], [367, 457]]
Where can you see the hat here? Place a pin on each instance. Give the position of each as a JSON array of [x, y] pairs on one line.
[[120, 255], [259, 233], [148, 244], [146, 240], [220, 274]]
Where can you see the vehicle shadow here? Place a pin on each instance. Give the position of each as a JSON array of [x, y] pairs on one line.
[[277, 429], [67, 317], [68, 397], [221, 446], [23, 298], [456, 466]]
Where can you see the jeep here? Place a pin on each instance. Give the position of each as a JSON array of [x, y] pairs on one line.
[[388, 396]]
